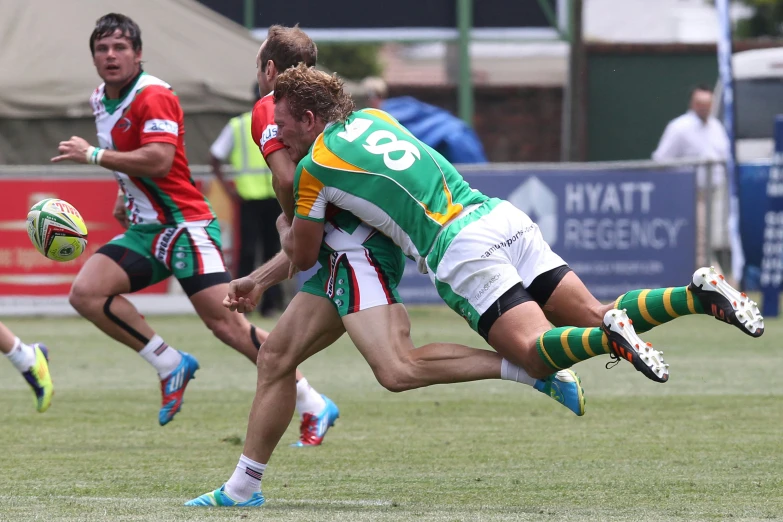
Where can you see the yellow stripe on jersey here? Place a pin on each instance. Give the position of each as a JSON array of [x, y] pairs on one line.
[[307, 193], [451, 209], [326, 158]]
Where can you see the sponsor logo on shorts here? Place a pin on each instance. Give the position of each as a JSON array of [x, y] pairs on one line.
[[167, 126], [508, 242], [269, 133], [333, 259], [164, 241], [489, 284]]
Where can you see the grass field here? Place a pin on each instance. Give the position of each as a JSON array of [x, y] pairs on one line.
[[707, 445]]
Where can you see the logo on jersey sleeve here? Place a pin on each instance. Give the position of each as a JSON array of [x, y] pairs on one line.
[[269, 133], [167, 126]]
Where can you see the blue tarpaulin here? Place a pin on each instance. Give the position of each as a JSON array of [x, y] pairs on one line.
[[437, 128]]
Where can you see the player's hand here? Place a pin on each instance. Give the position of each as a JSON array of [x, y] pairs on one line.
[[243, 295], [120, 214], [75, 149]]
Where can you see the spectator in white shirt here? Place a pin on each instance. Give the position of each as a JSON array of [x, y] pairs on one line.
[[697, 135]]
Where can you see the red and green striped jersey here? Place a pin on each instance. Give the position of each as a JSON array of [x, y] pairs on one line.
[[149, 112]]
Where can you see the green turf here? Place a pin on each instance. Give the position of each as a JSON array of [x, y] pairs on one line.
[[707, 445]]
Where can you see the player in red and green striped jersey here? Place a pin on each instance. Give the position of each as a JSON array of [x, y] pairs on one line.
[[171, 228]]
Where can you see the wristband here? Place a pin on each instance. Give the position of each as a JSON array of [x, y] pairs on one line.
[[94, 155]]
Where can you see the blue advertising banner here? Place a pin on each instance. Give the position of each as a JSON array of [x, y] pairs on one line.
[[618, 229], [753, 180], [761, 224]]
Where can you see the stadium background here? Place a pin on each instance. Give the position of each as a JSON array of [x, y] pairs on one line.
[[567, 114], [530, 102]]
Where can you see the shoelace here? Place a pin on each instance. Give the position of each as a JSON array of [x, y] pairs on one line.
[[615, 360]]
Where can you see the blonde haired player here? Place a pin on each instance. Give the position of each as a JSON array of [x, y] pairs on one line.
[[354, 291], [32, 362]]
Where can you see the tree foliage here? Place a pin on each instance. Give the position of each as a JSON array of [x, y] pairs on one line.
[[354, 61], [766, 20]]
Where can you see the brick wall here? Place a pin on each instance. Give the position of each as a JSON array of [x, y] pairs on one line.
[[515, 124]]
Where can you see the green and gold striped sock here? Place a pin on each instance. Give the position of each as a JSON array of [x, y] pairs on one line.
[[650, 308], [563, 347]]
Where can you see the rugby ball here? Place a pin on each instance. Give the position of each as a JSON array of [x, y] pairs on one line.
[[57, 230]]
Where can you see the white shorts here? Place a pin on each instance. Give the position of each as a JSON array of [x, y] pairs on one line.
[[498, 248]]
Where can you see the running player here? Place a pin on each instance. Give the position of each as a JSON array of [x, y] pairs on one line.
[[32, 361], [486, 258], [355, 291], [171, 228]]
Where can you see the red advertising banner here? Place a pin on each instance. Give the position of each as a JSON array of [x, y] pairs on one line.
[[23, 270]]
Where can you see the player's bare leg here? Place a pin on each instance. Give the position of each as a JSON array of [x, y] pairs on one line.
[[230, 327], [523, 335], [290, 343], [382, 335], [7, 339], [32, 361], [95, 295], [572, 304], [237, 332]]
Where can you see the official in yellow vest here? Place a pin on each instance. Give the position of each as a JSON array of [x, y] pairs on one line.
[[250, 186]]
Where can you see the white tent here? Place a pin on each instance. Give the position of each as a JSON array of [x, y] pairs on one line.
[[47, 69], [47, 75]]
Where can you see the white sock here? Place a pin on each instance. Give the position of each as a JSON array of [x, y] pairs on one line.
[[307, 399], [246, 479], [21, 356], [161, 356], [511, 372]]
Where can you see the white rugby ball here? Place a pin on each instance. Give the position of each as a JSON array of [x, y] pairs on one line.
[[57, 230]]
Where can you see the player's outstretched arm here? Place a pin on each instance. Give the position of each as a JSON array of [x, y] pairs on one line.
[[245, 293], [152, 160]]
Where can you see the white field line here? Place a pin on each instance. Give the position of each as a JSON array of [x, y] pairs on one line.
[[162, 500]]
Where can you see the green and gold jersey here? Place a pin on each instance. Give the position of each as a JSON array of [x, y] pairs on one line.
[[375, 168]]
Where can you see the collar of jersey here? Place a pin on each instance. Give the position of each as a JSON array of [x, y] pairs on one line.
[[111, 105]]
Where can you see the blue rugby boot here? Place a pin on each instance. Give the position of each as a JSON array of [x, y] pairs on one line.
[[565, 387], [173, 388], [219, 498]]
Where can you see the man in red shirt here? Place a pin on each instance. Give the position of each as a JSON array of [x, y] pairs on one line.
[[171, 228]]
